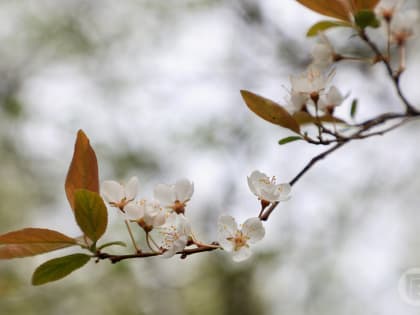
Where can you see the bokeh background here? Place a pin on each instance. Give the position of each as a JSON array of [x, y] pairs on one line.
[[155, 85]]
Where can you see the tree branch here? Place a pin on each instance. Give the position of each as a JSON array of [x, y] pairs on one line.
[[183, 254]]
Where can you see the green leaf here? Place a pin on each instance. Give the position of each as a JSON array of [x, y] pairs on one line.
[[32, 241], [365, 18], [270, 111], [289, 139], [353, 109], [58, 268], [91, 213], [324, 25], [83, 170]]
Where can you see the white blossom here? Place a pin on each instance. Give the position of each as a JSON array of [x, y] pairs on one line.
[[403, 26], [310, 82], [387, 8], [266, 189], [237, 240], [175, 234], [174, 197], [328, 101], [147, 214], [297, 102], [323, 53], [118, 195]]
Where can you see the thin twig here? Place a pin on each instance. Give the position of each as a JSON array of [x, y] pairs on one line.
[[308, 166], [394, 76]]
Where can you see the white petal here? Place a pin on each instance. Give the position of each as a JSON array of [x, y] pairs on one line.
[[254, 229], [131, 188], [184, 190], [152, 208], [171, 219], [251, 186], [164, 194], [323, 102], [159, 219], [169, 253], [134, 211], [269, 194], [334, 95], [227, 224], [227, 229], [241, 254], [180, 244], [284, 191], [320, 51], [255, 180], [184, 226], [112, 191], [257, 176], [298, 100]]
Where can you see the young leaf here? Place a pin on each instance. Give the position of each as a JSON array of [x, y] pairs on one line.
[[83, 170], [91, 214], [353, 108], [270, 111], [365, 18], [289, 139], [58, 268], [324, 25], [32, 241]]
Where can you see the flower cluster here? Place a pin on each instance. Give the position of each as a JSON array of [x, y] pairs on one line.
[[167, 229], [165, 212], [313, 88], [401, 23]]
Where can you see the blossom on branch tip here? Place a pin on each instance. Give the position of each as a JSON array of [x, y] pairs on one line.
[[323, 53], [118, 195], [175, 234], [310, 82], [266, 189], [328, 101], [147, 214], [307, 88], [387, 9], [237, 240], [403, 26], [174, 197], [297, 102]]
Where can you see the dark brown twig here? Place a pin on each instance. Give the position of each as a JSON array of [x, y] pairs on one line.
[[183, 254]]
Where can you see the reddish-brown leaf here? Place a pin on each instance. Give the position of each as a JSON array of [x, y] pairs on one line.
[[270, 111], [365, 4], [83, 170], [339, 9], [32, 241]]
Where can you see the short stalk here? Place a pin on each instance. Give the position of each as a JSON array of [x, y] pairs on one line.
[[127, 224]]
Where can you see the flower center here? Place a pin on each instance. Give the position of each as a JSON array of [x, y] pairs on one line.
[[147, 228], [178, 207], [121, 204], [239, 240]]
